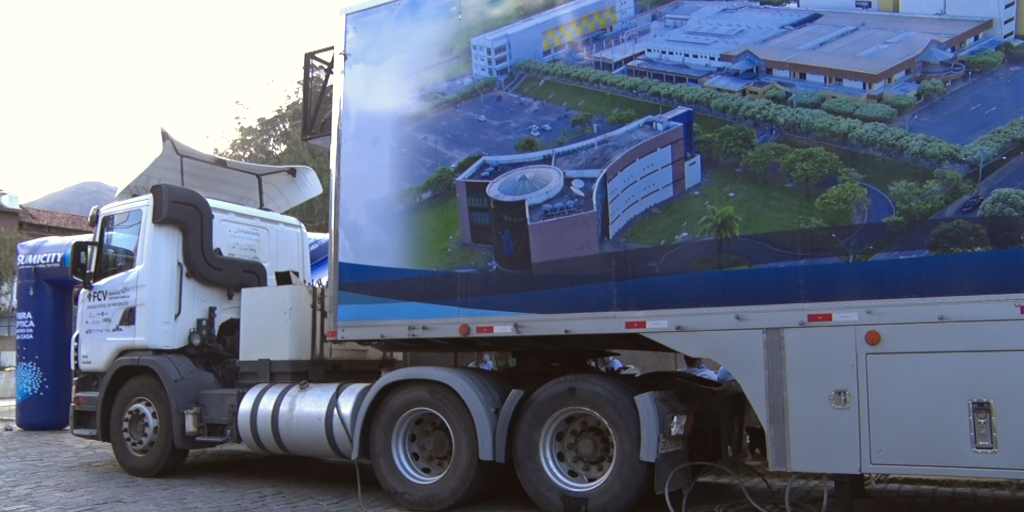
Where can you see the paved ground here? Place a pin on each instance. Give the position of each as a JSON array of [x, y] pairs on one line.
[[55, 471], [448, 136], [976, 109]]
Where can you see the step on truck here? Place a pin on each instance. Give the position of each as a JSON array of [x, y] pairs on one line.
[[197, 325]]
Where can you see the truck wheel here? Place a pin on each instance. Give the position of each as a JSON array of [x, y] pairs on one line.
[[141, 429], [577, 446], [424, 448]]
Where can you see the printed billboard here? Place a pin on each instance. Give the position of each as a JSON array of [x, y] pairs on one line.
[[500, 157]]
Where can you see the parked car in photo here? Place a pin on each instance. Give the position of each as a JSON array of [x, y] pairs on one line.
[[972, 203]]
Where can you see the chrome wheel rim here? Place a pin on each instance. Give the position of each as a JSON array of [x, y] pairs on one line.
[[577, 449], [422, 446], [140, 426]]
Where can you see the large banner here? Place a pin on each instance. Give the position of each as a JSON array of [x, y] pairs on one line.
[[505, 157]]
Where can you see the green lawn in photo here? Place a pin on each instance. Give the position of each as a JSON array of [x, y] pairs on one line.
[[436, 234], [764, 206]]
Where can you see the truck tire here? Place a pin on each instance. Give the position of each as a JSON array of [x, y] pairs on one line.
[[577, 446], [141, 429], [423, 448]]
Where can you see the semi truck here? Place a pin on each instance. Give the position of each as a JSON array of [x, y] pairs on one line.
[[197, 324]]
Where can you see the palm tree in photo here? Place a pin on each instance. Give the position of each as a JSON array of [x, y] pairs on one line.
[[720, 223]]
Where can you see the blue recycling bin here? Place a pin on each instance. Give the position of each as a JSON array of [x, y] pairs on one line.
[[44, 319]]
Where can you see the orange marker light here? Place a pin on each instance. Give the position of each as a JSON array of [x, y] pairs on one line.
[[873, 337], [464, 330]]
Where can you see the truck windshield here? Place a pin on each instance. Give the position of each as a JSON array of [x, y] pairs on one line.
[[119, 241]]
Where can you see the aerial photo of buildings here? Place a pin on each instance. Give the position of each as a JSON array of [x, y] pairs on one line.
[[570, 129]]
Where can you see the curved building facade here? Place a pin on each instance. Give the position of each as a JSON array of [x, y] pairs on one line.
[[565, 202]]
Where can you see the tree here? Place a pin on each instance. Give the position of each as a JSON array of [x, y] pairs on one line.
[[277, 140], [1004, 202], [720, 223], [950, 184], [867, 112], [931, 88], [441, 182], [733, 141], [764, 157], [838, 204], [9, 241], [466, 163], [809, 100], [528, 145], [585, 120], [875, 113], [845, 107], [985, 61], [1013, 53], [957, 237], [776, 96], [811, 165], [902, 103], [914, 200], [1003, 212], [622, 117]]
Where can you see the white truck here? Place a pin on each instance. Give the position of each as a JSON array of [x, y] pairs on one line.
[[196, 326]]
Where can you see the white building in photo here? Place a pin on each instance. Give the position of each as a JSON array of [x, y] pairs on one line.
[[546, 34], [1005, 14]]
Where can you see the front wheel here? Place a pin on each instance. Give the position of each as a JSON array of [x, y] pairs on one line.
[[577, 445], [424, 448], [142, 431]]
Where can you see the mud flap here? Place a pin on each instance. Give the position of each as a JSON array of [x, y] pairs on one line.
[[658, 410]]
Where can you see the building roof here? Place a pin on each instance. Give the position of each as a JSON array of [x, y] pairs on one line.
[[864, 45], [48, 218], [709, 28], [728, 83], [541, 17], [669, 67]]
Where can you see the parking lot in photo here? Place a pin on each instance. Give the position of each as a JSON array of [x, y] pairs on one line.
[[447, 136], [982, 105]]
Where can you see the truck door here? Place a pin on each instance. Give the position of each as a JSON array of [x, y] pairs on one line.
[[107, 311]]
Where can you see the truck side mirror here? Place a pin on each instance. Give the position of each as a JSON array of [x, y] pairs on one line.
[[80, 256]]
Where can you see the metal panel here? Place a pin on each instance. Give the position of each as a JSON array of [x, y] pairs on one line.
[[919, 409], [917, 384], [777, 427], [333, 223], [821, 396]]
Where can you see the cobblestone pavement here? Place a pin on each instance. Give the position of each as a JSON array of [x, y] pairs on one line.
[[55, 471]]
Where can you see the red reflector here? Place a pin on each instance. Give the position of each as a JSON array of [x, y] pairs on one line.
[[485, 329], [820, 317], [642, 324], [332, 335], [1022, 310], [79, 400]]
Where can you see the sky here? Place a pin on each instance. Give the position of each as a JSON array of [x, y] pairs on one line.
[[86, 86]]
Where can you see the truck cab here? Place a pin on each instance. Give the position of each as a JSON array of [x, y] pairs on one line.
[[142, 296], [164, 272]]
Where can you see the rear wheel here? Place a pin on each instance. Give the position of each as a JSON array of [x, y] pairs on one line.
[[424, 448], [577, 445], [142, 431]]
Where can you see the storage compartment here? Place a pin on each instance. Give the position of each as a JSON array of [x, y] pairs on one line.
[[946, 410], [277, 323]]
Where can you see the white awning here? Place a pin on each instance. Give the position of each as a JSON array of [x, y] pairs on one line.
[[276, 188]]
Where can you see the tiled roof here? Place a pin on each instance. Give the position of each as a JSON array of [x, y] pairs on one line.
[[51, 218]]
